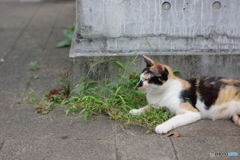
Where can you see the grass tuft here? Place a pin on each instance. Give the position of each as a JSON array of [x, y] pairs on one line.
[[113, 99], [33, 65]]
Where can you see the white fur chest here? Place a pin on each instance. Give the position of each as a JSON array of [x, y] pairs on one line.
[[223, 111], [166, 95]]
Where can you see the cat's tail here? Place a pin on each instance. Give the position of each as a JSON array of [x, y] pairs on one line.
[[236, 118]]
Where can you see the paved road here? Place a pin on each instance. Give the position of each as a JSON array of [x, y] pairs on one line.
[[29, 32]]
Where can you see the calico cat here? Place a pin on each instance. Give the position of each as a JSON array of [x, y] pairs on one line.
[[191, 100]]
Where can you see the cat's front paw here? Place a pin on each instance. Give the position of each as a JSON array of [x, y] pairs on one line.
[[163, 128], [135, 111]]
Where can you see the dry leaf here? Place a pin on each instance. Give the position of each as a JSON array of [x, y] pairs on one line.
[[173, 135]]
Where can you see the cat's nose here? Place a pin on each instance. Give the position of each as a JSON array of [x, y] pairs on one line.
[[140, 84]]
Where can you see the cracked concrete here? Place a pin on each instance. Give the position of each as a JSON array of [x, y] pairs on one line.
[[126, 26], [155, 43]]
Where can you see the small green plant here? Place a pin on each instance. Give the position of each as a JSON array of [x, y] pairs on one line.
[[35, 77], [45, 104], [67, 33], [114, 99], [64, 81], [33, 65], [41, 104]]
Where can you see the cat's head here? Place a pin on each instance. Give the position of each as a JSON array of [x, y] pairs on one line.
[[154, 75]]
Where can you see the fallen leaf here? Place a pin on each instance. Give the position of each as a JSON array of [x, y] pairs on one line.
[[173, 135], [55, 92]]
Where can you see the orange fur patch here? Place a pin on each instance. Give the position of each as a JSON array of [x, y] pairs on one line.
[[182, 112], [225, 80], [197, 85], [186, 84], [170, 72], [143, 88], [236, 118], [188, 106], [156, 67], [228, 93]]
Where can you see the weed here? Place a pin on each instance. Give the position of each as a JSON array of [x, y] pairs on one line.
[[33, 65], [35, 77], [67, 33], [19, 101], [41, 103], [112, 99], [115, 101], [64, 82]]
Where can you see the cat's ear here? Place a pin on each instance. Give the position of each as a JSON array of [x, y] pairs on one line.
[[154, 66], [148, 61], [160, 71], [157, 69]]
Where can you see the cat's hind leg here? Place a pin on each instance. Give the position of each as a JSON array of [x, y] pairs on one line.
[[140, 110], [236, 118]]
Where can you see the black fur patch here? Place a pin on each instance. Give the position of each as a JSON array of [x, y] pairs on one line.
[[155, 80], [236, 84], [164, 75], [145, 69], [140, 83], [231, 119], [237, 93], [190, 94], [148, 62], [159, 78], [209, 88]]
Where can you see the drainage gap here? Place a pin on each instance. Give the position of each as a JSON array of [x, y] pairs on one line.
[[1, 145], [174, 150]]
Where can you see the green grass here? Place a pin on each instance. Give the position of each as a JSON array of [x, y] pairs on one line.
[[68, 33], [33, 65], [113, 99]]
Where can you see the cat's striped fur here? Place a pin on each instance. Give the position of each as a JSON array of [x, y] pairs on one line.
[[191, 100]]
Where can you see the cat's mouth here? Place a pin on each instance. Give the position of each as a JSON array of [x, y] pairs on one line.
[[141, 86], [143, 89], [140, 83]]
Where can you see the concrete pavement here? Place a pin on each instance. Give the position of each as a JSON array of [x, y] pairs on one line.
[[29, 32]]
